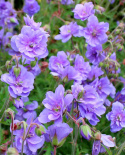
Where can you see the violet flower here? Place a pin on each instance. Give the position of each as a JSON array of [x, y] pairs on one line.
[[55, 103], [82, 67], [58, 133], [104, 87], [67, 31], [58, 62], [31, 43], [116, 116], [95, 54], [95, 32], [83, 11], [31, 7], [32, 142], [21, 85]]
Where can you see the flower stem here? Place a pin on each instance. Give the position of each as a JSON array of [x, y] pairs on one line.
[[54, 150], [121, 148]]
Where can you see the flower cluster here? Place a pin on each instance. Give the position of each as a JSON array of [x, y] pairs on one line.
[[83, 100]]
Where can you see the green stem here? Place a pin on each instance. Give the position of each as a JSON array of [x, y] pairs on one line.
[[121, 148]]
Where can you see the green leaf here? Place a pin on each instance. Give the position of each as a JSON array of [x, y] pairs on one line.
[[108, 151]]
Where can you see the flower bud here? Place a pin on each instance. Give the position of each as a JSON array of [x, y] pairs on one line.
[[99, 9], [86, 131], [17, 71], [80, 95], [33, 63], [65, 79], [8, 65], [97, 135], [110, 37], [12, 20], [8, 112], [39, 130], [12, 151], [56, 143], [101, 64], [117, 31]]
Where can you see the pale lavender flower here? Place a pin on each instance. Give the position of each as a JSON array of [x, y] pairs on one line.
[[31, 7], [58, 132], [56, 63], [32, 142], [96, 147], [67, 31], [20, 85], [70, 73], [104, 87], [117, 117], [95, 32], [27, 111], [95, 54], [31, 43], [95, 72], [82, 67], [83, 11], [55, 103]]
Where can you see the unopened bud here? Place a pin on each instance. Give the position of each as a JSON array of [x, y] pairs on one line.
[[17, 71], [117, 31], [110, 37], [97, 135], [8, 65], [12, 151], [39, 130], [86, 131], [65, 79], [33, 63], [101, 64], [12, 20]]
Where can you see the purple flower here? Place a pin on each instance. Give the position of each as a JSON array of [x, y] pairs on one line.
[[31, 7], [67, 31], [86, 94], [31, 43], [83, 11], [117, 117], [30, 22], [95, 72], [96, 147], [104, 87], [27, 111], [56, 63], [95, 33], [95, 54], [32, 142], [58, 133], [18, 103], [67, 2], [20, 85], [107, 140], [82, 67], [34, 70], [85, 131], [91, 111], [55, 103], [7, 15], [70, 73]]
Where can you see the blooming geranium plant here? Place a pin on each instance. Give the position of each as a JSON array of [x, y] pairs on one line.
[[64, 93]]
